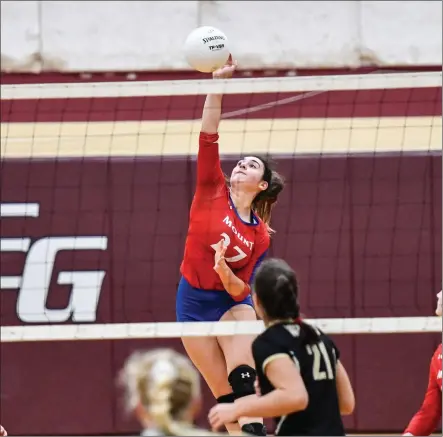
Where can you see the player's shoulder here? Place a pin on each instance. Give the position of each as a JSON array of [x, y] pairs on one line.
[[262, 339], [283, 334], [262, 233], [325, 338]]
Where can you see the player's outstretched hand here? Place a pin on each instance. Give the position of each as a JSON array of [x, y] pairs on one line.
[[219, 256], [222, 414], [3, 432], [226, 71]]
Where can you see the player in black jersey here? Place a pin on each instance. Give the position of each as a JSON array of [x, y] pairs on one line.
[[303, 385]]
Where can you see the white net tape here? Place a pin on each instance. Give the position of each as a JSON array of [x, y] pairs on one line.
[[127, 331], [231, 86]]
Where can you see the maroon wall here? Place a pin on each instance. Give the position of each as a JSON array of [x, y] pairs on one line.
[[364, 233]]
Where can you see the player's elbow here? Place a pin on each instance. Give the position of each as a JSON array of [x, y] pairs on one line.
[[297, 400], [347, 407], [302, 401], [347, 402]]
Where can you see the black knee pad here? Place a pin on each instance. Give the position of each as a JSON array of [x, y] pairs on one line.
[[242, 380], [226, 399]]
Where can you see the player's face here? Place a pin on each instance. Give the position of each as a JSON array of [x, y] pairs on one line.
[[248, 174], [438, 310]]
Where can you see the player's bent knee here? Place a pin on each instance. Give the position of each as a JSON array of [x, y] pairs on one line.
[[242, 380]]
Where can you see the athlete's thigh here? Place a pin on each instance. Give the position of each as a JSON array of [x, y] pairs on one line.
[[237, 349], [207, 356]]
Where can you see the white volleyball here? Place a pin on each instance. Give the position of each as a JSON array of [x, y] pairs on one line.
[[206, 49]]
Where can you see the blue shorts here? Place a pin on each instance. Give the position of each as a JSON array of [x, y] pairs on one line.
[[197, 305]]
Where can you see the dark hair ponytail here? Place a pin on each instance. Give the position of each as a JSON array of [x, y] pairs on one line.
[[264, 201], [308, 334], [276, 288]]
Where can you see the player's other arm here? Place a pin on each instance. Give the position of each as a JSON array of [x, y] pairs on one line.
[[426, 419], [346, 398], [345, 392], [233, 284], [290, 393]]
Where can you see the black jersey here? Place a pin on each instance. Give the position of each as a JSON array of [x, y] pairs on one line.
[[317, 366]]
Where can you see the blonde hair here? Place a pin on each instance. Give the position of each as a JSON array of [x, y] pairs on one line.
[[164, 383]]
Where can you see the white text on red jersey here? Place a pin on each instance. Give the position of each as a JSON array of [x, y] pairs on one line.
[[247, 243]]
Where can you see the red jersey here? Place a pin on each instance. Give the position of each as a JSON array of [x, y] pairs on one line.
[[426, 419], [213, 217]]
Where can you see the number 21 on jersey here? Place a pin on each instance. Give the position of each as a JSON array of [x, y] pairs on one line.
[[320, 355]]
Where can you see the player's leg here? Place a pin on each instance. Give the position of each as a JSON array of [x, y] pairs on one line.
[[194, 305], [207, 357], [237, 351]]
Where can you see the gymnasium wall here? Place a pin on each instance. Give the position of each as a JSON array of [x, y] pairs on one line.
[[148, 35]]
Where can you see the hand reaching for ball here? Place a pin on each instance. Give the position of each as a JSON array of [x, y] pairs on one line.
[[226, 71]]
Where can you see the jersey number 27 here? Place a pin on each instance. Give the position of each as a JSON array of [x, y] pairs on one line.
[[226, 242]]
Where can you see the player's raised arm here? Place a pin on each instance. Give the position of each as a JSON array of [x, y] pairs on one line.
[[209, 172], [211, 113], [212, 109]]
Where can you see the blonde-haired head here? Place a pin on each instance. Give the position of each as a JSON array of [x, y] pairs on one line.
[[165, 385]]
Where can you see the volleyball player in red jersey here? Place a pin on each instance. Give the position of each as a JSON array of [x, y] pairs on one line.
[[427, 417], [227, 238]]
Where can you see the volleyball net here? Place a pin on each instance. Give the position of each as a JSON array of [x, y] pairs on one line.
[[97, 180]]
